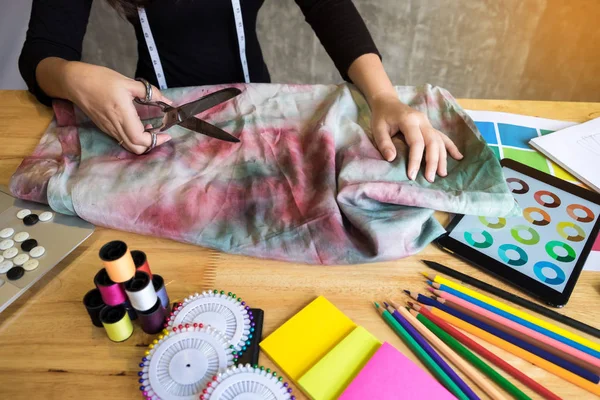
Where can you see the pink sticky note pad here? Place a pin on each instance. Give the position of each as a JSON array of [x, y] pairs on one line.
[[391, 375]]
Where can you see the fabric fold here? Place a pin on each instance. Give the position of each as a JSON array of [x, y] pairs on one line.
[[305, 184]]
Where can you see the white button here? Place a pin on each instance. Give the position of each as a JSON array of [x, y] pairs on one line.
[[21, 259], [46, 216], [21, 237], [10, 253], [6, 244], [37, 251], [31, 265], [5, 266], [6, 233], [23, 213]]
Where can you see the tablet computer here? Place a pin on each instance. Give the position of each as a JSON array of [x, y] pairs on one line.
[[542, 251]]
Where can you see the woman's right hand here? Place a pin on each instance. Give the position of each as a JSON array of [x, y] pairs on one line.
[[106, 97]]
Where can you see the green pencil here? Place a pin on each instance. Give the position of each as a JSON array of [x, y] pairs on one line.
[[424, 357], [472, 358]]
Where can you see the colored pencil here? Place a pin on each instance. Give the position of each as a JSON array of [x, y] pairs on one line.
[[513, 298], [516, 319], [549, 344], [520, 343], [479, 349], [432, 353], [511, 348], [454, 358], [472, 358], [516, 312], [420, 353]]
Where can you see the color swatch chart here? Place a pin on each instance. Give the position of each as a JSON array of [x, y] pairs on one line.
[[545, 242], [508, 136], [329, 357]]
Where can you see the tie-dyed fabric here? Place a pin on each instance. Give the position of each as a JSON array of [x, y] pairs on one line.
[[305, 184]]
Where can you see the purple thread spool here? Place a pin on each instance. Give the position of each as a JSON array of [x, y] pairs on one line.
[[153, 320], [112, 292], [161, 290], [94, 304]]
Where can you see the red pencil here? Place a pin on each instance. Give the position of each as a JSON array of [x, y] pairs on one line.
[[476, 347]]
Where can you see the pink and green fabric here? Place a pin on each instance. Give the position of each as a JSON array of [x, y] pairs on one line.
[[305, 184]]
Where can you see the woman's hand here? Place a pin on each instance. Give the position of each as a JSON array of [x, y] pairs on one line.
[[390, 116], [105, 96]]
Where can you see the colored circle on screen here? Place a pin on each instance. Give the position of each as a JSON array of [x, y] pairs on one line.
[[589, 215], [524, 186], [494, 225], [541, 271], [502, 252], [487, 240], [553, 204], [561, 226], [553, 244], [539, 222], [518, 236]]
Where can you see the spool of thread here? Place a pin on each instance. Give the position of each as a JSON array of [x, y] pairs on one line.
[[153, 320], [130, 310], [93, 304], [141, 292], [141, 261], [118, 261], [116, 322], [161, 291], [112, 293]]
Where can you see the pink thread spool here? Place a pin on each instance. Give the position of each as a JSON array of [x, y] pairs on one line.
[[112, 293]]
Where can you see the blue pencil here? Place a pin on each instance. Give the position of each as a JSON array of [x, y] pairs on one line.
[[518, 320], [576, 369], [432, 353]]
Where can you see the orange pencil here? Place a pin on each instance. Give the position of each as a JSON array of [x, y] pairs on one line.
[[547, 343], [511, 348]]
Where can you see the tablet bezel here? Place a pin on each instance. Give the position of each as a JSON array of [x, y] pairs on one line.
[[510, 275]]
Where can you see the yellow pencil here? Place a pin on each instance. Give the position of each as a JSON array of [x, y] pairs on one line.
[[454, 358], [511, 348], [528, 317]]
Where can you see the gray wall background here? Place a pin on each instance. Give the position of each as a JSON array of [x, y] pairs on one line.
[[504, 49]]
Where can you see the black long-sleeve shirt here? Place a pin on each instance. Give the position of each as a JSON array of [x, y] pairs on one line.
[[196, 39]]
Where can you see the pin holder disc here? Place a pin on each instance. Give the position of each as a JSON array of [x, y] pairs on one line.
[[248, 383], [223, 311], [178, 364]]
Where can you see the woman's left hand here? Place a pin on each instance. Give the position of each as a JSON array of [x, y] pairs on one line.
[[390, 116]]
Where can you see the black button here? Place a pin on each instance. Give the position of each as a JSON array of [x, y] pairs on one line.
[[15, 273], [29, 244], [31, 219]]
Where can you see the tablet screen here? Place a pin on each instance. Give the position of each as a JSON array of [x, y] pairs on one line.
[[545, 242]]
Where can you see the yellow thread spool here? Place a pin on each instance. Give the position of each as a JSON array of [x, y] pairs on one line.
[[116, 322]]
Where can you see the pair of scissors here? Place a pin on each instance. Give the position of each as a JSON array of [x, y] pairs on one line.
[[184, 115]]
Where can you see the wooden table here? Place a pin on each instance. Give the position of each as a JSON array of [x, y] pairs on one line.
[[49, 349]]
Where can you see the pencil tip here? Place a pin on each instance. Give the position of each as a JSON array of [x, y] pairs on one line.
[[429, 282], [376, 305], [407, 292], [431, 289], [425, 274], [386, 304]]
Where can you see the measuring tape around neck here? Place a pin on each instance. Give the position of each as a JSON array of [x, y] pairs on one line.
[[157, 65]]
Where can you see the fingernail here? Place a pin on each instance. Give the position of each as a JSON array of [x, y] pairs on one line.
[[431, 177], [412, 174], [388, 154], [168, 138]]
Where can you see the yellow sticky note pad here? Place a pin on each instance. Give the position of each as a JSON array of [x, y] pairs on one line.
[[305, 338], [333, 373]]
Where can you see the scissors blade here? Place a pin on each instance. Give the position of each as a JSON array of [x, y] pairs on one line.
[[195, 107], [207, 129]]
